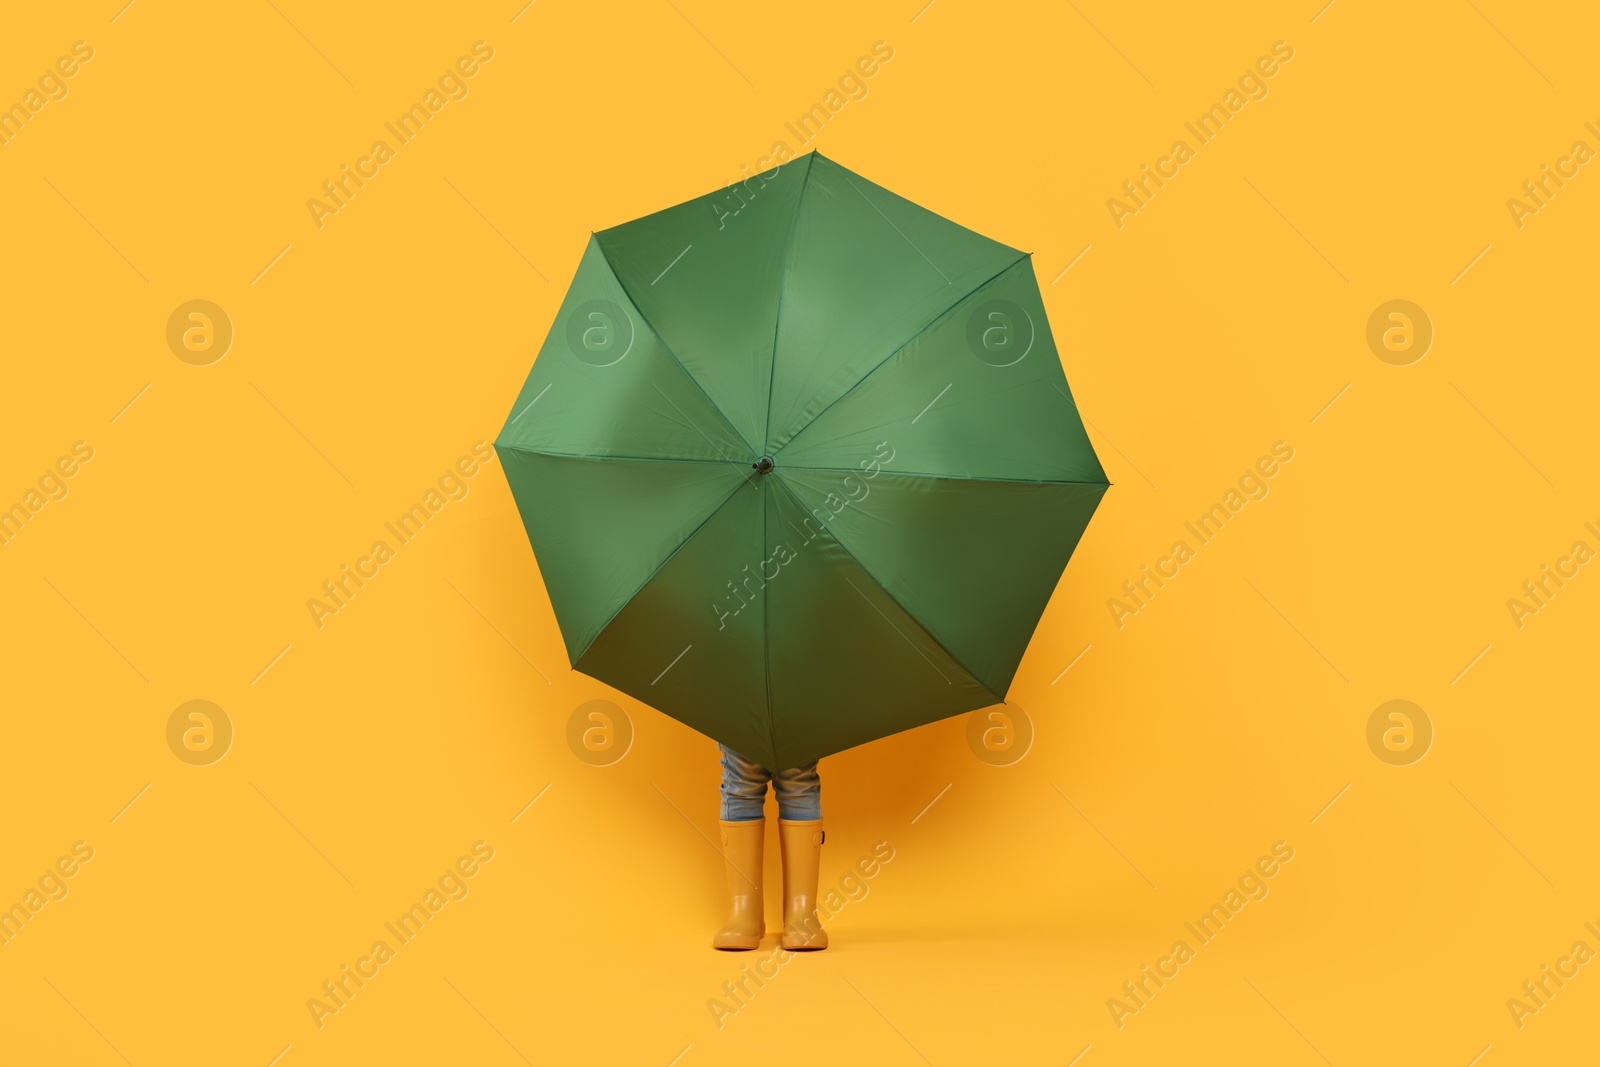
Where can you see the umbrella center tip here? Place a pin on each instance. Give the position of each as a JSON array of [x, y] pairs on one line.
[[763, 465]]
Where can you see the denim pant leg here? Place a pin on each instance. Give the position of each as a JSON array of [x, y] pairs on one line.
[[799, 793], [744, 787]]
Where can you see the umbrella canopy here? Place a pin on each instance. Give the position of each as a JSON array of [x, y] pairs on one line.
[[799, 463]]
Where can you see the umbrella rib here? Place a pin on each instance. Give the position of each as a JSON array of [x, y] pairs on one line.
[[766, 431], [896, 602], [930, 324], [666, 347], [896, 229], [783, 286], [525, 450], [951, 477], [652, 577], [766, 632], [695, 427]]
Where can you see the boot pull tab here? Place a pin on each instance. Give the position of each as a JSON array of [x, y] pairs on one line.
[[818, 839]]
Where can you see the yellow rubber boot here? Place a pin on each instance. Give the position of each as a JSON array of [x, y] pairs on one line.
[[801, 846], [741, 854]]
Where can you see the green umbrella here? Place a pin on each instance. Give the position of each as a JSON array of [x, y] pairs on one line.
[[799, 464]]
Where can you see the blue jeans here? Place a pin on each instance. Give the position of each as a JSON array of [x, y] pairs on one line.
[[744, 790]]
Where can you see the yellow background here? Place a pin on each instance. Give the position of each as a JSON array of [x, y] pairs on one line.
[[1223, 717]]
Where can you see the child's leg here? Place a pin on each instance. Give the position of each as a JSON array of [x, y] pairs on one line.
[[800, 837], [744, 787], [744, 792], [799, 793]]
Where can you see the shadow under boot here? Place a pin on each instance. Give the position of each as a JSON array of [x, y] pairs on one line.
[[741, 854], [801, 846]]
